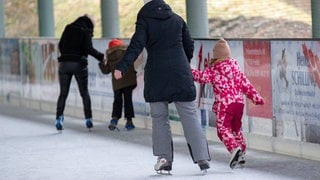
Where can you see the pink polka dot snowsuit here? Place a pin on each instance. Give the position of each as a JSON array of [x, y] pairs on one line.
[[229, 86]]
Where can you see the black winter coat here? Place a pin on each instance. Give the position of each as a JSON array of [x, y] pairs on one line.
[[76, 42], [170, 48]]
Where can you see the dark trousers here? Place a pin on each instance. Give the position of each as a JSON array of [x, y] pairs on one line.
[[120, 95], [80, 71]]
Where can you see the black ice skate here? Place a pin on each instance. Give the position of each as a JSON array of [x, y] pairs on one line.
[[236, 153], [163, 166], [203, 165], [129, 125], [113, 125]]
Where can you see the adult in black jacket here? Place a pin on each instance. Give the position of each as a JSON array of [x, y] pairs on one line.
[[167, 79], [75, 45]]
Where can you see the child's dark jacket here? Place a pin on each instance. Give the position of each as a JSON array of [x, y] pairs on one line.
[[114, 55]]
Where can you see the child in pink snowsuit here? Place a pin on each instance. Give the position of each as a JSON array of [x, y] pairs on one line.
[[229, 86]]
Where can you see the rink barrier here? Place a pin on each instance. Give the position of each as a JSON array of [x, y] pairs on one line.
[[289, 122]]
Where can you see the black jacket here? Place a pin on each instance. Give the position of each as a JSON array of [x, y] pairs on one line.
[[76, 42], [170, 48]]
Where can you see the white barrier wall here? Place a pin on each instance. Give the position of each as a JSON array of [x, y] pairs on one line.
[[285, 72]]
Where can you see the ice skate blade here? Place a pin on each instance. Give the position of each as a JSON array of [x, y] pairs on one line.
[[59, 129], [239, 166], [163, 172], [233, 165], [112, 128], [126, 129]]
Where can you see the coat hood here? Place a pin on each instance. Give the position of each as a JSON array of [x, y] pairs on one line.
[[156, 9], [84, 22], [115, 54]]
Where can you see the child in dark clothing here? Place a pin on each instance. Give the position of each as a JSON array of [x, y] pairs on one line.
[[122, 88]]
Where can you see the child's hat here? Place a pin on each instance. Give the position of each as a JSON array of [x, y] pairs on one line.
[[115, 42], [221, 50]]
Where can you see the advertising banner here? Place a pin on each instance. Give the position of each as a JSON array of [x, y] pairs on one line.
[[257, 69], [296, 92]]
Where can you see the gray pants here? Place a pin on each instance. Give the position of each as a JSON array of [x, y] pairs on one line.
[[161, 132]]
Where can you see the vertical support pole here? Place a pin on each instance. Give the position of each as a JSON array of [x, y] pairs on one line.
[[110, 18], [315, 11], [2, 23], [46, 18], [197, 18]]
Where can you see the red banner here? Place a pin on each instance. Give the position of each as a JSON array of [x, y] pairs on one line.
[[257, 63]]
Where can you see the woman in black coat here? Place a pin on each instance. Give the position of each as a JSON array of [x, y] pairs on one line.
[[75, 45], [167, 79]]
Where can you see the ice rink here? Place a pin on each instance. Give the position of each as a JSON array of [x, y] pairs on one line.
[[32, 149]]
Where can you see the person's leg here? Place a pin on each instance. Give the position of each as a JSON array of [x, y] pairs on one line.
[[225, 121], [224, 128], [161, 132], [193, 132], [81, 74], [82, 80], [116, 109], [64, 81], [128, 105], [237, 124], [117, 104]]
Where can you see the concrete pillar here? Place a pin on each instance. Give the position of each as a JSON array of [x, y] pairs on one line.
[[110, 18], [197, 18], [2, 23], [315, 11], [46, 18]]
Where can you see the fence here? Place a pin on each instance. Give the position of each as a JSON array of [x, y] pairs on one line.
[[286, 73]]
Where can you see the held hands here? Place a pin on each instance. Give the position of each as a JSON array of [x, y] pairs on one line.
[[104, 60], [117, 74]]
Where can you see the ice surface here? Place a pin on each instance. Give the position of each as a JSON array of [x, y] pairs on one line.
[[31, 148]]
